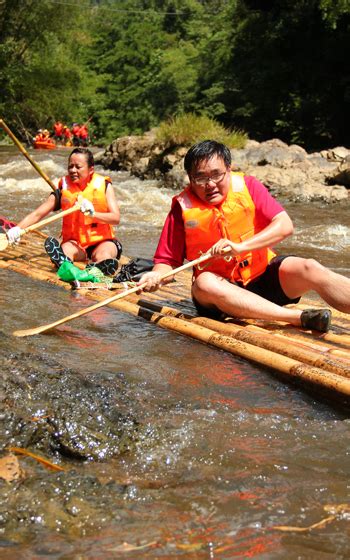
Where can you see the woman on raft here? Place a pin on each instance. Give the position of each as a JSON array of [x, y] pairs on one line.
[[88, 234]]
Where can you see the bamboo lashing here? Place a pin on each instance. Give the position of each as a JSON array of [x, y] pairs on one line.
[[108, 301]]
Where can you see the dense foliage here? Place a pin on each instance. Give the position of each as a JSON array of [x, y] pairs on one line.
[[276, 68]]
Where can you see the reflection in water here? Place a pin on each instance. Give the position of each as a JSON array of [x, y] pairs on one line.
[[223, 451]]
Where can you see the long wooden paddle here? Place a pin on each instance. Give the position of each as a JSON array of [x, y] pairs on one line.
[[4, 242], [43, 328], [25, 153]]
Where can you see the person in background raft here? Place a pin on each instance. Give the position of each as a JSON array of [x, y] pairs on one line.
[[67, 136], [84, 135], [86, 234], [58, 131], [75, 130], [220, 209]]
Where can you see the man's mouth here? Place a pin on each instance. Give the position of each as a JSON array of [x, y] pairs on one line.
[[211, 194]]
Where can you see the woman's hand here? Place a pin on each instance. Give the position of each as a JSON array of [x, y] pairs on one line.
[[86, 207], [14, 235]]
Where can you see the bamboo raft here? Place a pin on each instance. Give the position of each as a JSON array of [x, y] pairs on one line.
[[318, 361]]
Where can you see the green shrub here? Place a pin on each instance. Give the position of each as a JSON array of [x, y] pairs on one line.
[[187, 129]]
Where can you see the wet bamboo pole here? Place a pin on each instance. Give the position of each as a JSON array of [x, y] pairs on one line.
[[342, 340], [260, 339], [26, 155], [316, 344], [291, 368], [43, 328]]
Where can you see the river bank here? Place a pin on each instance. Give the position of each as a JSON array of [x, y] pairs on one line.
[[287, 171]]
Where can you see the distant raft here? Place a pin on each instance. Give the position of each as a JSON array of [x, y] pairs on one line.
[[44, 145], [319, 362]]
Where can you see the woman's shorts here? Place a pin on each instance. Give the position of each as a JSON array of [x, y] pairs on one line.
[[89, 250]]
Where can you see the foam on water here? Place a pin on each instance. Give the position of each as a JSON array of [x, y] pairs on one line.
[[21, 168], [24, 185], [329, 238], [143, 201]]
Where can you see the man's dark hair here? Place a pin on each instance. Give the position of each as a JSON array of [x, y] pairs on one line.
[[206, 150], [87, 153]]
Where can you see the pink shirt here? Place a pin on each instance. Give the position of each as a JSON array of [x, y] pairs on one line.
[[171, 248]]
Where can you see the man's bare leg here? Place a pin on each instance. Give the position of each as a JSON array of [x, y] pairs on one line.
[[213, 291], [298, 276]]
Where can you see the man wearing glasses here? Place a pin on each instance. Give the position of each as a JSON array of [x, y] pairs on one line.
[[221, 211]]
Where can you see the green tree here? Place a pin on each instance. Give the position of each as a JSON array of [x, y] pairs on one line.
[[287, 73], [40, 76], [148, 62]]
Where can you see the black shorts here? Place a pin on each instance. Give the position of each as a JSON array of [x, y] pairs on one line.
[[267, 286], [117, 243]]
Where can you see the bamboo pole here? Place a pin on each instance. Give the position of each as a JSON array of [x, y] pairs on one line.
[[26, 155], [318, 345], [291, 368], [262, 340]]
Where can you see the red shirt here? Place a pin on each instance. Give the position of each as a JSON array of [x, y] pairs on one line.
[[171, 248]]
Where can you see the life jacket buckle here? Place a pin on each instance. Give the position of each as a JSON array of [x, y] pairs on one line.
[[201, 267], [244, 263], [204, 265]]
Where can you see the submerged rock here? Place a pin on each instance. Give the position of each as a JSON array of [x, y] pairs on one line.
[[84, 435], [70, 415], [65, 418]]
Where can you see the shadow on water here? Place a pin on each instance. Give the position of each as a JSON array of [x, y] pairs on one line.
[[169, 448]]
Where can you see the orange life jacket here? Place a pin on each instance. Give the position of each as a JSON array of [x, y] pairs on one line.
[[234, 219], [85, 230], [58, 128], [76, 130], [84, 133]]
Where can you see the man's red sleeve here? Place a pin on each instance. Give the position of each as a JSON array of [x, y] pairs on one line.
[[267, 207], [171, 248]]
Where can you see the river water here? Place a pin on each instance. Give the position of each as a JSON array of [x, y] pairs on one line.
[[221, 450]]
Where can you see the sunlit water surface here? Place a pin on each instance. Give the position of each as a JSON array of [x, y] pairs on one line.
[[233, 451]]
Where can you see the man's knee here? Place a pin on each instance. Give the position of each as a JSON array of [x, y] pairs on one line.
[[207, 287], [211, 288], [305, 268], [313, 270], [202, 285]]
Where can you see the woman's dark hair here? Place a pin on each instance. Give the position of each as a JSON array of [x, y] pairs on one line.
[[87, 153], [206, 150]]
